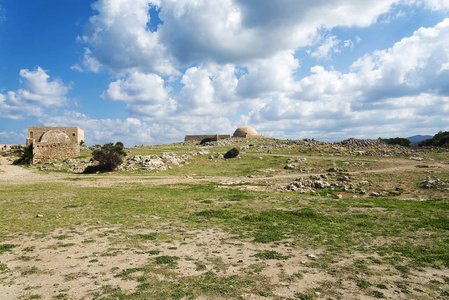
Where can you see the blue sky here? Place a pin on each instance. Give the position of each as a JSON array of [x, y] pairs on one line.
[[150, 72]]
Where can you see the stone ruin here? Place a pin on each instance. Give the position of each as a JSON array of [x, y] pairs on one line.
[[51, 143], [246, 132]]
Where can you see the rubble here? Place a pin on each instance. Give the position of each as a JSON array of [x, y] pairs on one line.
[[304, 185], [432, 182]]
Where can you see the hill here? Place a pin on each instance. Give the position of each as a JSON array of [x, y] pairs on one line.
[[419, 138]]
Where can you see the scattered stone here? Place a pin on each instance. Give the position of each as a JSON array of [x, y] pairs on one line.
[[432, 182], [416, 158], [375, 194], [290, 167], [311, 256], [39, 216]]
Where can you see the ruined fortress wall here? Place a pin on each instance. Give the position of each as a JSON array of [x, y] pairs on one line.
[[49, 151], [201, 137], [35, 133]]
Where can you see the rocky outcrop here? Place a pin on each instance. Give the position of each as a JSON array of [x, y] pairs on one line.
[[154, 162]]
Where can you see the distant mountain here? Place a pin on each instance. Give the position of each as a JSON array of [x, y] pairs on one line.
[[419, 138]]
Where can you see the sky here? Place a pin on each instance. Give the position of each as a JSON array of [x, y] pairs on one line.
[[152, 71]]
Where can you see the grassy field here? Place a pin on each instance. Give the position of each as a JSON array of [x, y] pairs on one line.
[[228, 229]]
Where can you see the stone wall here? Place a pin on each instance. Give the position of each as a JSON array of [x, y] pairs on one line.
[[35, 133], [49, 151], [201, 137]]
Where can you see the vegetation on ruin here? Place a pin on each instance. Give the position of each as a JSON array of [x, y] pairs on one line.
[[397, 141], [25, 155], [207, 140]]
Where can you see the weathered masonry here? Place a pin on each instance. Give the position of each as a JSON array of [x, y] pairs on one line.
[[246, 132], [35, 133], [54, 142]]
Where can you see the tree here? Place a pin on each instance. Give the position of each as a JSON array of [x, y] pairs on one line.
[[441, 139], [110, 156], [397, 141], [26, 156]]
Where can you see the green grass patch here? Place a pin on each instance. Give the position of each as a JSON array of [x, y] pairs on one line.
[[271, 254], [7, 247], [166, 260]]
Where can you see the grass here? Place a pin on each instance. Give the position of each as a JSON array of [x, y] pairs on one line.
[[354, 238], [271, 254], [6, 247]]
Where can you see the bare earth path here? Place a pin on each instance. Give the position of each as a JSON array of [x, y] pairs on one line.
[[11, 174]]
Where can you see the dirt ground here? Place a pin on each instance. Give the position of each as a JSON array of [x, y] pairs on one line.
[[80, 270]]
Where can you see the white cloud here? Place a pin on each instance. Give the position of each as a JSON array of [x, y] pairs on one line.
[[132, 131], [138, 88], [239, 58], [394, 90], [38, 93], [327, 48], [270, 75], [118, 39], [223, 32], [437, 4], [13, 138]]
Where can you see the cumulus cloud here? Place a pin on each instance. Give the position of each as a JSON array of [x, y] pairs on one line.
[[138, 88], [132, 131], [119, 40], [211, 60], [38, 93], [224, 32], [397, 89], [269, 75]]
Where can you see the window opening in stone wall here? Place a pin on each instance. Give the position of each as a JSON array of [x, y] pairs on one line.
[[31, 135]]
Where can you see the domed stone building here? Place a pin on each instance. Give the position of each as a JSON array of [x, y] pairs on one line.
[[54, 142], [246, 132]]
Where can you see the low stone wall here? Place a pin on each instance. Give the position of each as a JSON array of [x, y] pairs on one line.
[[49, 151], [201, 137]]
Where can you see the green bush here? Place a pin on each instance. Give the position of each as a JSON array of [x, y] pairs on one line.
[[441, 139], [397, 141], [110, 156], [234, 152], [207, 140], [26, 156]]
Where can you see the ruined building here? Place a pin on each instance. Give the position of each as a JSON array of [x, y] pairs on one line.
[[246, 132], [241, 132], [54, 142]]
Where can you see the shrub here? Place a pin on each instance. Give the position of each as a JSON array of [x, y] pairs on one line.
[[26, 156], [234, 152], [207, 140], [110, 156], [441, 139], [397, 141]]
